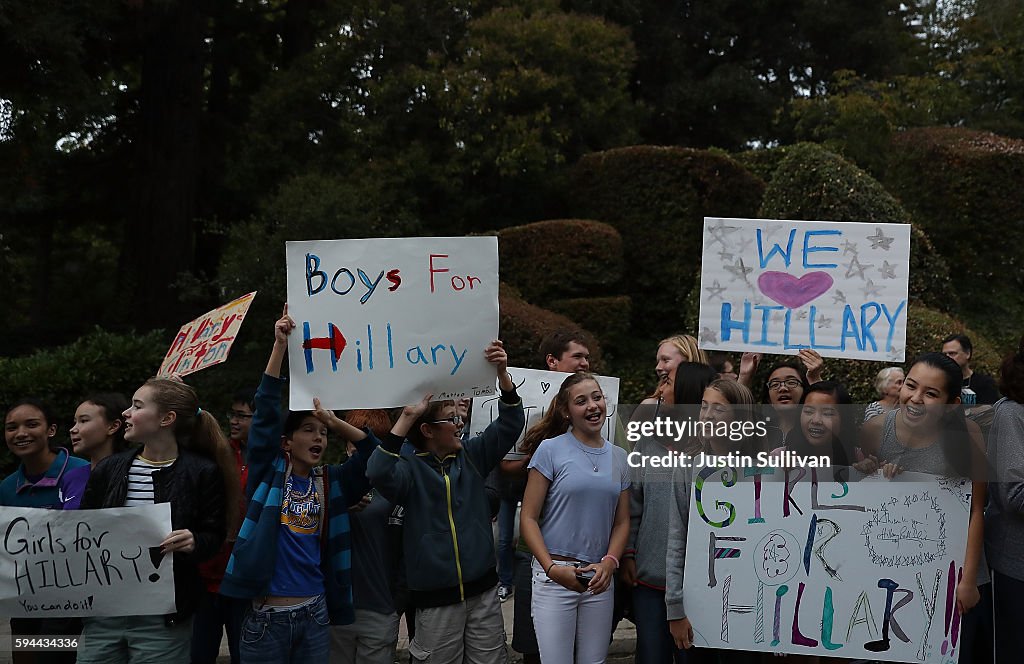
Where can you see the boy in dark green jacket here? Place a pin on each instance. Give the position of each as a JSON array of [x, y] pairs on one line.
[[449, 545]]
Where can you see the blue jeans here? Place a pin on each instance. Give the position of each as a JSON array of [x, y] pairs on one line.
[[291, 635], [506, 547], [654, 643], [215, 611]]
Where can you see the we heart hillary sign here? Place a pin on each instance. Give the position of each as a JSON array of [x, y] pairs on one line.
[[773, 286]]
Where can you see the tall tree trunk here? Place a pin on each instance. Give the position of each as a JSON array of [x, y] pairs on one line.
[[161, 240]]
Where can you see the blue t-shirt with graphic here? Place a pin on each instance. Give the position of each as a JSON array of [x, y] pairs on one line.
[[297, 572]]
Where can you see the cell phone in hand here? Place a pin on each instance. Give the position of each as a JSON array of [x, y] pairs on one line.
[[584, 578]]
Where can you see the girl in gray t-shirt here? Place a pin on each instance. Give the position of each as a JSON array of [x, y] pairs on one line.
[[575, 519]]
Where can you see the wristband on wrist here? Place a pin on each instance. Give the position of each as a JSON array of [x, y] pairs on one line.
[[614, 559], [547, 572]]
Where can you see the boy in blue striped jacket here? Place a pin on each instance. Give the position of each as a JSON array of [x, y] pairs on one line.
[[293, 553]]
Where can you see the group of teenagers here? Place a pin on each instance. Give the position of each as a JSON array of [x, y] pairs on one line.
[[297, 560]]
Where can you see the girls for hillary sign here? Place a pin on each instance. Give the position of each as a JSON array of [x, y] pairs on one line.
[[774, 286], [381, 322], [796, 562]]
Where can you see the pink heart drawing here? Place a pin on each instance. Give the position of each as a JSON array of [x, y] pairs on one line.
[[789, 291]]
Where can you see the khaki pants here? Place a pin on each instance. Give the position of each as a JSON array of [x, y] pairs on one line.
[[470, 632], [371, 639]]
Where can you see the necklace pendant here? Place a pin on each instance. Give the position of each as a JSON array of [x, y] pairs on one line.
[[595, 469]]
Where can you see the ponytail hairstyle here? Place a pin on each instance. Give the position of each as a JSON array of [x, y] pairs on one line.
[[555, 421], [198, 431], [113, 405], [48, 417], [1011, 375], [956, 443], [843, 439]]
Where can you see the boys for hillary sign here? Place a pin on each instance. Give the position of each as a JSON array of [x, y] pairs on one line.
[[774, 286], [381, 322]]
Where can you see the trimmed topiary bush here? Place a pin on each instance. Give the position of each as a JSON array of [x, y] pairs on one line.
[[560, 258], [523, 326], [967, 189], [657, 198], [814, 184], [610, 315]]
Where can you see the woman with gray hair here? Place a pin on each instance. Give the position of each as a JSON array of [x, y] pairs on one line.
[[887, 383]]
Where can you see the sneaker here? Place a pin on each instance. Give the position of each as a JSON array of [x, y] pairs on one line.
[[504, 592]]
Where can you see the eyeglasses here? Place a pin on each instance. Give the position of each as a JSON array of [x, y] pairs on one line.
[[791, 383], [455, 420], [235, 415]]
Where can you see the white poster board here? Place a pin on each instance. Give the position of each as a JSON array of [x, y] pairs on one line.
[[537, 388], [380, 323], [863, 570], [85, 562], [770, 286]]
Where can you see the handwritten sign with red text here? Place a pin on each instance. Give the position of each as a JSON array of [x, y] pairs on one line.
[[381, 322], [206, 341]]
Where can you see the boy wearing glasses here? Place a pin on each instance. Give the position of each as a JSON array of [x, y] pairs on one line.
[[218, 614], [449, 547]]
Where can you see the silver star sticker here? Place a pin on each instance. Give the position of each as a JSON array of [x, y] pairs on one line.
[[896, 354], [715, 290], [770, 230], [801, 315], [838, 297], [824, 321], [724, 256], [849, 248], [871, 290], [879, 240], [739, 271], [888, 271], [719, 231], [855, 267], [708, 335], [745, 244]]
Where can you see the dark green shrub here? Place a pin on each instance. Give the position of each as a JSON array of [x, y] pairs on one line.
[[98, 362], [657, 198], [560, 258], [814, 184], [966, 189], [610, 315]]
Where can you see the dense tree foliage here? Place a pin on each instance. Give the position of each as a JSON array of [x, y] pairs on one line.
[[154, 150]]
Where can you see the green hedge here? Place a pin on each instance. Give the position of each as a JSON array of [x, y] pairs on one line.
[[560, 258], [523, 326], [657, 198], [812, 183], [609, 315], [98, 362], [967, 189]]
